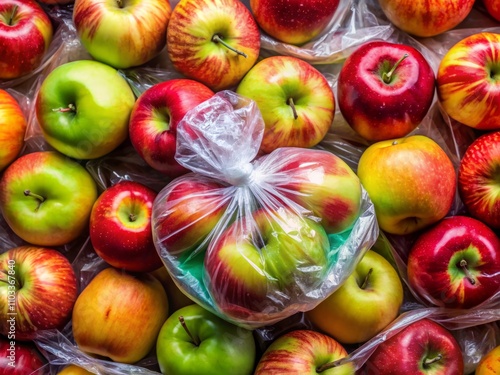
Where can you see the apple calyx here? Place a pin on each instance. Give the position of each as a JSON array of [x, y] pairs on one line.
[[430, 361], [365, 280], [119, 3], [329, 365], [39, 198], [218, 39], [183, 324], [294, 110], [468, 275], [387, 76], [69, 108]]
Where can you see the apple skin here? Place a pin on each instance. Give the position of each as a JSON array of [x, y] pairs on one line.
[[44, 286], [12, 129], [176, 298], [380, 108], [478, 179], [493, 8], [120, 227], [83, 108], [321, 182], [411, 182], [191, 48], [435, 270], [122, 34], [256, 260], [223, 348], [423, 18], [121, 326], [20, 358], [303, 351], [405, 352], [68, 192], [467, 81], [73, 370], [490, 363], [25, 36], [367, 302], [296, 21], [271, 83], [186, 211], [154, 118]]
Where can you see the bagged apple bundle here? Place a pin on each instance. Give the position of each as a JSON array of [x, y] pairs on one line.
[[257, 238]]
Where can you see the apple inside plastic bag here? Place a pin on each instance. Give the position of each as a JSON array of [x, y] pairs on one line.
[[256, 238]]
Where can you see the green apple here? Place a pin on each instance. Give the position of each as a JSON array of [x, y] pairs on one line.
[[194, 341], [364, 305], [83, 108], [46, 198]]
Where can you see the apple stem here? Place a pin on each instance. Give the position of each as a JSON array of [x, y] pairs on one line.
[[183, 324], [12, 15], [365, 281], [217, 39], [430, 361], [294, 110], [69, 108], [40, 199], [463, 264], [386, 76], [329, 365]]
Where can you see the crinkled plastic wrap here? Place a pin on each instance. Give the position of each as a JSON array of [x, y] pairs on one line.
[[232, 233]]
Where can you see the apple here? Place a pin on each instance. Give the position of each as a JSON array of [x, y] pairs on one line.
[[122, 33], [385, 90], [304, 351], [154, 118], [366, 303], [296, 21], [424, 18], [320, 182], [186, 211], [25, 36], [83, 108], [254, 266], [194, 341], [411, 182], [478, 179], [215, 42], [467, 84], [20, 358], [120, 227], [294, 98], [493, 8], [119, 315], [490, 363], [73, 370], [421, 348], [176, 298], [54, 2], [12, 129], [455, 263], [46, 198], [38, 287]]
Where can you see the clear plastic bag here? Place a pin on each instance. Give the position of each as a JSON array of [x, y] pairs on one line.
[[246, 203]]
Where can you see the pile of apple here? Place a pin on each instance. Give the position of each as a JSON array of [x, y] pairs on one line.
[[184, 191]]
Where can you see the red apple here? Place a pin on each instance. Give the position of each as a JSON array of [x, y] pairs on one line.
[[455, 263], [38, 287], [120, 227], [12, 128], [293, 21], [25, 35], [318, 181], [385, 90], [468, 81], [425, 18], [493, 8], [186, 211], [304, 352], [154, 118], [215, 42], [20, 358], [478, 179], [294, 98], [422, 348]]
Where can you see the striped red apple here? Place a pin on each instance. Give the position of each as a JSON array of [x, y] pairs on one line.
[[12, 129]]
